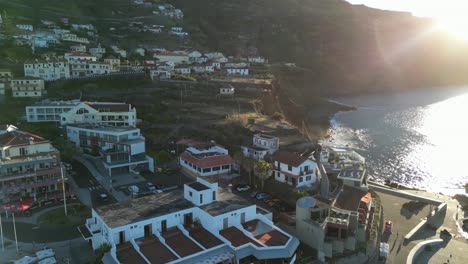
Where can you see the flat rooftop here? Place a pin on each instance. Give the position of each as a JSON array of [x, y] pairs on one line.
[[198, 186], [119, 214], [351, 174], [155, 251], [265, 233], [227, 202]]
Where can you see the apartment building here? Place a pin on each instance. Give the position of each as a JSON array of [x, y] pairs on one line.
[[30, 167], [122, 149], [199, 224], [76, 111], [27, 87], [48, 70]]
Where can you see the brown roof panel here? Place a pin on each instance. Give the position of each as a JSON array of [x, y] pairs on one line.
[[289, 158], [19, 138], [209, 161]]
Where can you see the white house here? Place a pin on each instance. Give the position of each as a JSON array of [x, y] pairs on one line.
[[237, 71], [262, 145], [5, 75], [141, 51], [98, 68], [72, 57], [168, 56], [257, 59], [160, 74], [199, 224], [74, 38], [97, 51], [48, 70], [294, 169], [27, 87], [182, 70], [194, 54], [114, 63], [78, 48], [122, 149], [205, 159], [25, 27], [121, 52], [227, 91]]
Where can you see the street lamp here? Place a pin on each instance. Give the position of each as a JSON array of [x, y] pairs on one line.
[[63, 190]]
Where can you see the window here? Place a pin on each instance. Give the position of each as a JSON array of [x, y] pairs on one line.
[[226, 167], [7, 153], [216, 168], [190, 193], [201, 198], [289, 168], [308, 178], [278, 174], [301, 179], [214, 195]]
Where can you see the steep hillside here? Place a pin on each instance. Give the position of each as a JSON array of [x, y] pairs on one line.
[[341, 49]]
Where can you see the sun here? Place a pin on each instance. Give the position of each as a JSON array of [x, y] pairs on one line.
[[456, 26]]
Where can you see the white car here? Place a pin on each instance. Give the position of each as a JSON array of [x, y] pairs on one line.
[[243, 188], [152, 188]]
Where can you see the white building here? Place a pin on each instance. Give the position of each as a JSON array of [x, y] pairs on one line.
[[25, 27], [237, 71], [227, 91], [5, 75], [72, 112], [122, 149], [27, 87], [48, 70], [160, 75], [256, 59], [199, 224], [335, 158], [98, 68], [72, 57], [294, 169], [97, 51], [205, 159], [121, 52], [74, 38], [182, 70], [114, 63], [2, 88], [262, 145], [78, 48], [167, 56]]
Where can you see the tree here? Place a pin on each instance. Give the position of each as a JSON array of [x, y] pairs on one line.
[[246, 163], [263, 170]]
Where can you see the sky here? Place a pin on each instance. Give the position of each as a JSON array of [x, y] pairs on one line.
[[428, 8]]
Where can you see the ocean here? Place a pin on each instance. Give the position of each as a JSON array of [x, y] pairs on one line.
[[418, 139]]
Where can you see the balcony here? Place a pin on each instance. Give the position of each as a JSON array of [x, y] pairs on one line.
[[29, 174], [31, 184]]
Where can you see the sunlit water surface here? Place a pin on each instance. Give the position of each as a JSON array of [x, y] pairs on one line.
[[419, 139]]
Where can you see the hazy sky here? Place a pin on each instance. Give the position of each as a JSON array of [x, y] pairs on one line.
[[432, 8]]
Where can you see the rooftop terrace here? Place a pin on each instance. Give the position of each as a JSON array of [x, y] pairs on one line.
[[155, 251], [204, 237], [236, 237], [180, 243], [227, 202], [126, 254]]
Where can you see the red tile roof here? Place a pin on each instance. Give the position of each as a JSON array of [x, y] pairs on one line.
[[208, 162], [19, 138], [289, 158]]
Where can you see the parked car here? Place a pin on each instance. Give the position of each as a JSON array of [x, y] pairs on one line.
[[133, 189], [67, 166], [103, 197], [253, 194], [261, 196], [150, 186], [243, 188], [388, 226]]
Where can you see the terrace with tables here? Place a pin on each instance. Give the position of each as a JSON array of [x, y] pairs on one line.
[[204, 237], [236, 237], [265, 233], [180, 243], [127, 254], [155, 251]]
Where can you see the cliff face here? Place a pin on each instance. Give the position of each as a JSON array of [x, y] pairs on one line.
[[339, 48]]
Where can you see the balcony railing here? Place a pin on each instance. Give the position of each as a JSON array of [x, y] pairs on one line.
[[32, 184], [42, 172]]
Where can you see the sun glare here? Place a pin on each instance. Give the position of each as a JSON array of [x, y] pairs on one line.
[[456, 26]]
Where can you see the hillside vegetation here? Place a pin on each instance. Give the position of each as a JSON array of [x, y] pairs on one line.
[[340, 48]]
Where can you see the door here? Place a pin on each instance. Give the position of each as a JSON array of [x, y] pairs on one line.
[[188, 219], [225, 223], [242, 218], [148, 231], [121, 237], [163, 226]]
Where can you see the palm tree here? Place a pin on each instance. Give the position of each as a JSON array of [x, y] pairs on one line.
[[263, 170]]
